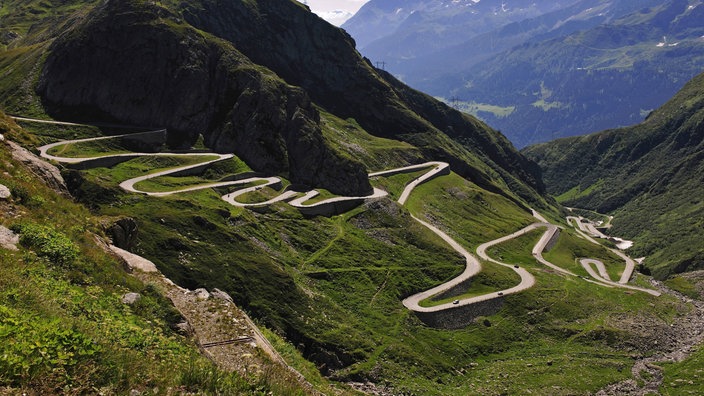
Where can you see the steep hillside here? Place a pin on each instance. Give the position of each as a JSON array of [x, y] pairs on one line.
[[322, 59], [334, 286], [64, 323], [272, 124], [649, 176], [202, 86], [273, 84]]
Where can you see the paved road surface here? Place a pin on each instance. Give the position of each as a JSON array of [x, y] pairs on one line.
[[129, 185], [603, 277], [473, 265], [585, 232]]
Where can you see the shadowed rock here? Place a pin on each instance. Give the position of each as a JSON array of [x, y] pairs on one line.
[[139, 64]]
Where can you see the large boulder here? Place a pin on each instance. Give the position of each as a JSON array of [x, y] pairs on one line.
[[123, 232], [8, 239], [44, 170], [4, 192]]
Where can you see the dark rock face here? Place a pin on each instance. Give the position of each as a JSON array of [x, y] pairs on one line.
[[123, 233], [308, 52], [139, 64]]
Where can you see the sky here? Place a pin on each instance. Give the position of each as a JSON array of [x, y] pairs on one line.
[[334, 11]]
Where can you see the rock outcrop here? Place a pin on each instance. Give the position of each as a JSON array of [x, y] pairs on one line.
[[322, 60], [123, 232], [8, 239], [130, 298], [45, 171], [4, 192], [140, 64]]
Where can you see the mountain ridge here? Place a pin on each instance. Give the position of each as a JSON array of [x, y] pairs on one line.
[[379, 109], [587, 66], [331, 288], [647, 173], [309, 69], [280, 132]]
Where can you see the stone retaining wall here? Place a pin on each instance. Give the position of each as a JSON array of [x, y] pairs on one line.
[[462, 315], [553, 240], [102, 162]]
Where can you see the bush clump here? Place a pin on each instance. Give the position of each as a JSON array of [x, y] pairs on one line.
[[47, 242], [35, 347]]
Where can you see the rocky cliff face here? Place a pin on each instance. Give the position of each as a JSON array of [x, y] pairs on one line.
[[140, 64], [308, 52], [247, 75]]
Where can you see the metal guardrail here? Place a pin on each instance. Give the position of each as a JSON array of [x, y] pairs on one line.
[[226, 342]]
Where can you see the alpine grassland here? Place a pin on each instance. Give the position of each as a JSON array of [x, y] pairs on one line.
[[570, 248], [330, 289], [376, 153], [63, 326], [647, 176], [229, 78], [682, 378]]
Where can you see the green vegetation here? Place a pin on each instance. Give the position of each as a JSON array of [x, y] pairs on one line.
[[328, 290], [377, 154], [51, 133], [591, 215], [570, 248], [647, 176], [514, 251], [395, 184], [47, 242], [333, 286], [576, 192], [144, 165], [27, 28], [492, 279], [92, 149], [684, 378], [476, 109], [466, 212], [683, 285], [215, 172], [63, 326], [16, 66]]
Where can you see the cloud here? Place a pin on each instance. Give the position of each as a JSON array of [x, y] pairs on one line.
[[334, 11], [335, 17]]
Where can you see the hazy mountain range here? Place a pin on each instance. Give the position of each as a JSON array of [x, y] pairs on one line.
[[539, 70]]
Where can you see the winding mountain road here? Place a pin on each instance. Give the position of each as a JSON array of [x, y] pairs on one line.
[[298, 200], [587, 234], [129, 185]]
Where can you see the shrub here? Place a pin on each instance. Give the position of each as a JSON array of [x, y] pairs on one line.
[[47, 242], [34, 346]]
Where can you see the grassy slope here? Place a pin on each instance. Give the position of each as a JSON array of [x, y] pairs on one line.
[[376, 153], [684, 378], [649, 176], [333, 287], [36, 24], [63, 326]]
